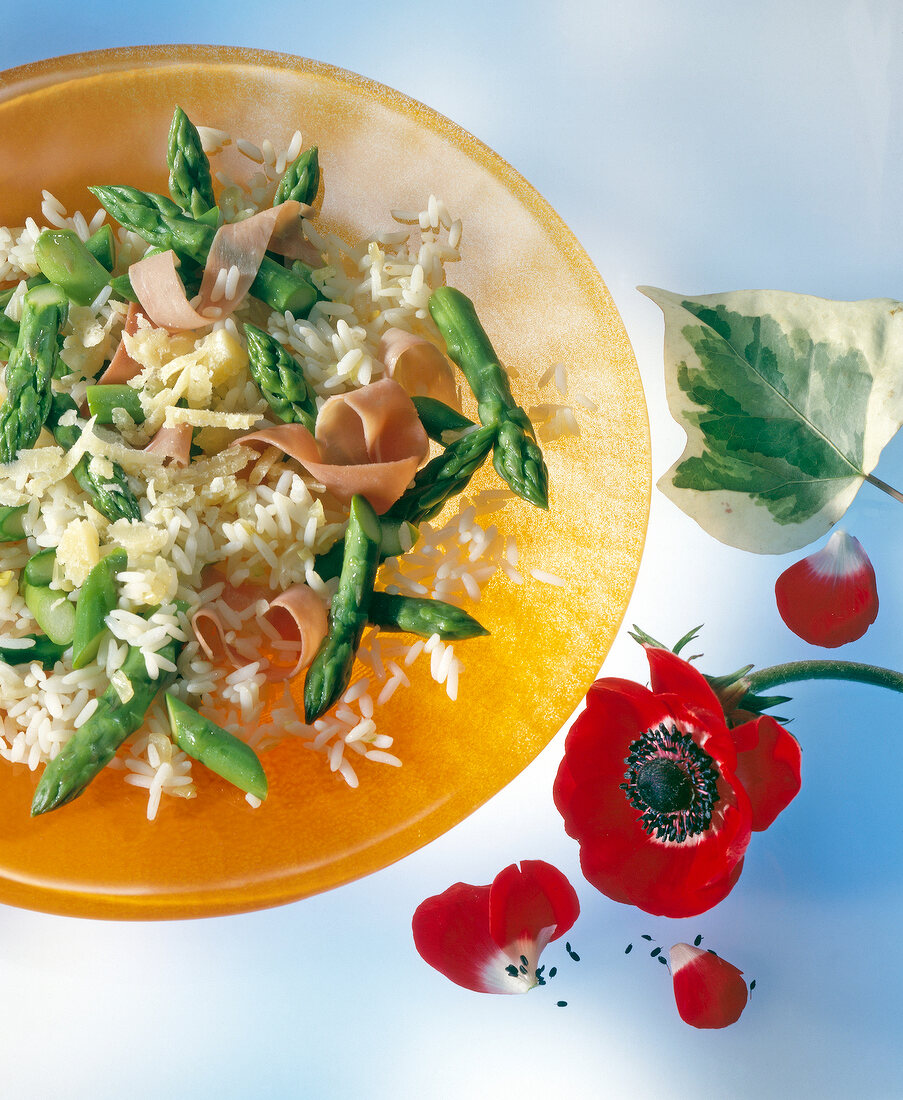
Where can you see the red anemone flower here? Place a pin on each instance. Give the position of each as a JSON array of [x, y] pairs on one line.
[[489, 938], [662, 796], [709, 991], [831, 597]]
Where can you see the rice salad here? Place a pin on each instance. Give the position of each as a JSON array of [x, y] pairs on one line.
[[227, 517]]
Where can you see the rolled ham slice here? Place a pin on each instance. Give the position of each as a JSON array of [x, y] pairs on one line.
[[298, 615], [122, 366], [238, 245], [418, 366], [172, 443], [369, 441]]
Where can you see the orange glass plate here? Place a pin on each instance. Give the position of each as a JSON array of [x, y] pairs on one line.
[[103, 118]]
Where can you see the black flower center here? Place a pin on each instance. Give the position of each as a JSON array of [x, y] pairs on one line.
[[672, 782]]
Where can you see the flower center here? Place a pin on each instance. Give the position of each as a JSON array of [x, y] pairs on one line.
[[673, 782]]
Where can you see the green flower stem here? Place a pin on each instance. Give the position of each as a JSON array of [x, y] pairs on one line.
[[788, 673]]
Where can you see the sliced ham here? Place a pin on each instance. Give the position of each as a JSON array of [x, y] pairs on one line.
[[172, 443], [298, 616], [210, 632], [122, 366], [238, 245], [369, 441], [389, 427], [418, 366]]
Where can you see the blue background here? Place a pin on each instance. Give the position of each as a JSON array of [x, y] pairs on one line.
[[695, 146]]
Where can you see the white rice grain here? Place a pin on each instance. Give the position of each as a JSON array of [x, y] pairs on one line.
[[547, 578]]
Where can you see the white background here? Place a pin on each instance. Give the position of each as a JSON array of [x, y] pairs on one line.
[[696, 146]]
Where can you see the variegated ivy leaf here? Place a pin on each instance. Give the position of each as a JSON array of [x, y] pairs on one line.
[[787, 401]]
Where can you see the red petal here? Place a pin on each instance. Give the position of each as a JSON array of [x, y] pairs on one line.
[[673, 675], [710, 992], [831, 597], [533, 904], [617, 712], [768, 766], [451, 933]]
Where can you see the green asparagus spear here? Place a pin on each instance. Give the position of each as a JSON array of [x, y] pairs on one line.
[[395, 539], [52, 611], [102, 400], [102, 246], [39, 567], [9, 336], [44, 651], [330, 671], [210, 217], [161, 222], [443, 477], [122, 288], [280, 379], [301, 179], [217, 749], [421, 616], [436, 483], [9, 329], [65, 260], [189, 170], [438, 418], [94, 743], [30, 369], [11, 529], [96, 599], [516, 456], [111, 496]]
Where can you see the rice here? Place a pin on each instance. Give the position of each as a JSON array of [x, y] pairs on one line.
[[261, 520]]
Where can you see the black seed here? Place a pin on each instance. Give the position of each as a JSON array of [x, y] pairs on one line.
[[523, 970], [662, 959], [646, 937], [574, 956], [523, 960], [752, 985], [628, 949], [561, 1004], [697, 941], [512, 970], [539, 970], [655, 951], [553, 971], [711, 952], [567, 947]]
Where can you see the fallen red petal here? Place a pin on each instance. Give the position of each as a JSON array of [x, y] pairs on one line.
[[710, 992], [530, 906], [489, 938], [451, 933], [831, 597]]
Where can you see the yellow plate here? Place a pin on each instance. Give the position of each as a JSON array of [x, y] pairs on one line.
[[103, 118]]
